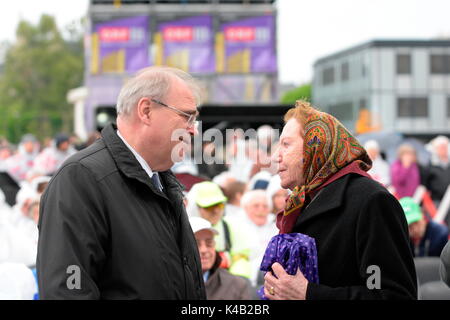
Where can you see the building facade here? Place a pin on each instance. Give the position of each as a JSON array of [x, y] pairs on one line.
[[404, 84]]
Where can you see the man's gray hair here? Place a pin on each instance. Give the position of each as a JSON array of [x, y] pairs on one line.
[[153, 82]]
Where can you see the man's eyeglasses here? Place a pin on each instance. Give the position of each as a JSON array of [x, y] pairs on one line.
[[191, 118]]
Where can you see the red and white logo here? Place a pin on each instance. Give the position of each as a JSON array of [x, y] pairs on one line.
[[240, 34], [114, 34], [178, 34]]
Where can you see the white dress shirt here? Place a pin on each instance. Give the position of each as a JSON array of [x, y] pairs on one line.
[[141, 160]]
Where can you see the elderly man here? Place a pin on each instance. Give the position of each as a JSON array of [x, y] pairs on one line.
[[359, 228], [232, 238], [380, 169], [220, 284], [428, 238], [112, 220]]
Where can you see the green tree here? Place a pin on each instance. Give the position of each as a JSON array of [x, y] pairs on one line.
[[39, 69], [303, 92]]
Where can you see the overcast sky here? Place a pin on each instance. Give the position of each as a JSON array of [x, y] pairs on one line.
[[307, 29]]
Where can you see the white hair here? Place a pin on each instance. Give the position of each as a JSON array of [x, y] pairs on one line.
[[248, 197], [372, 145], [439, 140], [153, 82]]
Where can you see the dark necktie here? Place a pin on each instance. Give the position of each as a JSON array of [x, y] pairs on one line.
[[156, 182]]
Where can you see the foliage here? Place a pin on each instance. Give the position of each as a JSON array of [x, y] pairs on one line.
[[39, 69], [303, 92]]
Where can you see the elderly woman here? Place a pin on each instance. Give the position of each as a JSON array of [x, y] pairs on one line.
[[259, 223], [405, 172], [359, 228]]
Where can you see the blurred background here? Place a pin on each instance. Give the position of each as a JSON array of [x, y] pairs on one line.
[[380, 66]]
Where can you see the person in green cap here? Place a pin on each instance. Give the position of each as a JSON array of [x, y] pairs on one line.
[[231, 242], [428, 238]]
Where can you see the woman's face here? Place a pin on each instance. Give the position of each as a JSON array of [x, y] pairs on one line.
[[257, 210], [289, 155]]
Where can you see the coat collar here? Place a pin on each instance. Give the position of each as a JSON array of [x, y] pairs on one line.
[[129, 165], [329, 198]]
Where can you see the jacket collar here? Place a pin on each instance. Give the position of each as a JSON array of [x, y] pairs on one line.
[[330, 197], [130, 166]]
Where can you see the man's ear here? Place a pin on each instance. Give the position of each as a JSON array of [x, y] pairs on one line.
[[144, 110]]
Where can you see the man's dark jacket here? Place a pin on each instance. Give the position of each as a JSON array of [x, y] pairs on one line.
[[356, 224], [102, 214]]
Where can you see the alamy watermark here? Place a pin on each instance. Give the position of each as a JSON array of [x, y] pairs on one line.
[[74, 279], [246, 144], [374, 280]]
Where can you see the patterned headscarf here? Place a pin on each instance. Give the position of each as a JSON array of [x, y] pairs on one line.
[[329, 152]]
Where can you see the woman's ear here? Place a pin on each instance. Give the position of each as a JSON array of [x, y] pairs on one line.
[[144, 110]]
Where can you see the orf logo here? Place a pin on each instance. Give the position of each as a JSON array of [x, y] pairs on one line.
[[240, 34], [178, 34], [114, 34]]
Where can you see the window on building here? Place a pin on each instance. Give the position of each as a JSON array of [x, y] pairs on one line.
[[403, 64], [328, 75], [440, 64], [412, 107], [362, 104], [344, 71], [342, 111], [448, 107]]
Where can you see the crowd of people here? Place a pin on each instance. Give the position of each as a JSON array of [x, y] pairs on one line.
[[232, 205], [238, 202], [25, 171]]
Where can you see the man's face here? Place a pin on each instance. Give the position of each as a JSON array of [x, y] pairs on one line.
[[207, 248], [213, 214], [442, 151], [171, 127], [258, 210], [28, 146], [64, 146], [289, 155], [417, 229]]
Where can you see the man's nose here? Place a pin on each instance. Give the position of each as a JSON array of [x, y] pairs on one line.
[[202, 247], [193, 130]]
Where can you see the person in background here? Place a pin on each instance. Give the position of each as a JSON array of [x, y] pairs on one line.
[[276, 195], [17, 282], [234, 192], [51, 158], [438, 179], [444, 269], [232, 240], [219, 283], [15, 246], [259, 224], [380, 168], [22, 162], [428, 238], [266, 138], [406, 174]]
